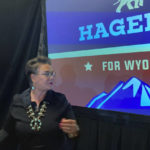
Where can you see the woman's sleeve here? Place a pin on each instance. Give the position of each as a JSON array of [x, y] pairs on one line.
[[7, 134], [68, 113], [7, 128]]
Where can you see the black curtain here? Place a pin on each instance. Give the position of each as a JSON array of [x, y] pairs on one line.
[[22, 28], [109, 130]]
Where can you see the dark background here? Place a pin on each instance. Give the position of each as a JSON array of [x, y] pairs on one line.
[[21, 27]]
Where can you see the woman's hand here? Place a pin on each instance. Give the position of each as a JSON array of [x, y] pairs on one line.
[[70, 127]]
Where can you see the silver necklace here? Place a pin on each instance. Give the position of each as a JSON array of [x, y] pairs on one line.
[[36, 122]]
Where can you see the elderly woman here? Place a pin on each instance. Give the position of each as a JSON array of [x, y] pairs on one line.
[[40, 118]]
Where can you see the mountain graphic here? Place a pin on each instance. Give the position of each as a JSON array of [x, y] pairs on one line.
[[131, 96]]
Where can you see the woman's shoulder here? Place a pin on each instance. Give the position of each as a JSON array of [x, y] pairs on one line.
[[19, 97], [57, 97]]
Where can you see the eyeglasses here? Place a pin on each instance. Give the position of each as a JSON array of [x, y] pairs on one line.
[[48, 74]]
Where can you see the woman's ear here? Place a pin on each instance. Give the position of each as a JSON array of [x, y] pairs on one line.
[[32, 76]]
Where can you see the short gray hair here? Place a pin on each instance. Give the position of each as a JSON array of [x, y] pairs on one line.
[[33, 64]]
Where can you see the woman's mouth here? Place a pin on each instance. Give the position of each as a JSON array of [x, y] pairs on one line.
[[51, 83]]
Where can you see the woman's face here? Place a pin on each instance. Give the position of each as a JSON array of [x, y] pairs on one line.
[[44, 78]]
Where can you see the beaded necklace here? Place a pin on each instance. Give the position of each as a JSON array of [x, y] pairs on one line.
[[35, 122]]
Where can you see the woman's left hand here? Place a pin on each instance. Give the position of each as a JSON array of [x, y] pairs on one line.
[[69, 126]]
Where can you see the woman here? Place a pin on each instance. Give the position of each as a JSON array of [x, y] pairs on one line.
[[40, 118]]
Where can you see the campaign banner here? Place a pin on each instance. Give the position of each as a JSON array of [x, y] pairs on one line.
[[101, 53], [79, 31]]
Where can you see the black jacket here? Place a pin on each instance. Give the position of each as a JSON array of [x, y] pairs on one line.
[[50, 136]]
